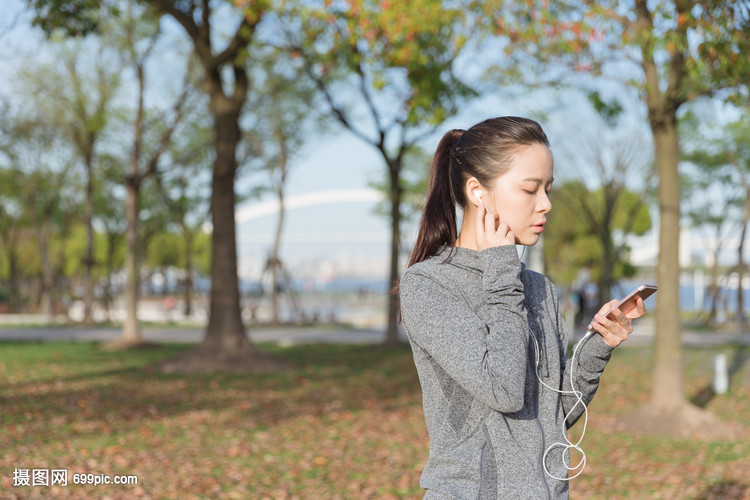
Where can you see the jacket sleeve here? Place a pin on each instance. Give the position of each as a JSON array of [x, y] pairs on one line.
[[488, 359], [591, 358]]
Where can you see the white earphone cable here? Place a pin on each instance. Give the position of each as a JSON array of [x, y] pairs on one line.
[[579, 397]]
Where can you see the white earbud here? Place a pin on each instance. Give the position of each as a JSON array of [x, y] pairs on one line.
[[478, 194]]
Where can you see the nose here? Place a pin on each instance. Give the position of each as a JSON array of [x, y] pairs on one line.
[[544, 204]]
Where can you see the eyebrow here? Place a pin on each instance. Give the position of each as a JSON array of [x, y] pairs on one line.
[[537, 180]]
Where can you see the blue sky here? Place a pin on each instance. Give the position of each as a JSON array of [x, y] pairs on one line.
[[346, 236], [325, 240]]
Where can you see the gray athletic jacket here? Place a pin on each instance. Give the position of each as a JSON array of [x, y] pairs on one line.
[[470, 323]]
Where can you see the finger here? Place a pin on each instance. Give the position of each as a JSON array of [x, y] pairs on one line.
[[607, 307], [489, 223], [618, 325], [504, 235], [610, 338], [619, 317], [479, 220], [639, 310], [607, 323], [612, 304]]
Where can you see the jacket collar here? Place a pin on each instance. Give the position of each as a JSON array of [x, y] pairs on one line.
[[462, 257], [465, 258]]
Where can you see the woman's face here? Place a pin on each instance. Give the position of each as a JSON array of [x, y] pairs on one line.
[[521, 194]]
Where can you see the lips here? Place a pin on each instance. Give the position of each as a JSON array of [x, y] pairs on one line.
[[539, 227]]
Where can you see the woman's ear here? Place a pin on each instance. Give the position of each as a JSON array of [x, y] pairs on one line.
[[474, 191]]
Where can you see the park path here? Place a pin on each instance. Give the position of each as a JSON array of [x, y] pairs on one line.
[[289, 335], [176, 333]]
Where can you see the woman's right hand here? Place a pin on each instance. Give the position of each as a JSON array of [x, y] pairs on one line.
[[488, 232]]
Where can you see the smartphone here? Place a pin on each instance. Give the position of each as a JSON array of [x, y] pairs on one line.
[[628, 303]]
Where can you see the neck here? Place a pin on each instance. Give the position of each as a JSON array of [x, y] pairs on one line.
[[467, 235]]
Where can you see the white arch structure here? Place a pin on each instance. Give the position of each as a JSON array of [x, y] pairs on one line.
[[329, 197]]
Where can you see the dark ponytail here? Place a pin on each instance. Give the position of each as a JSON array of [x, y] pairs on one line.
[[438, 224]]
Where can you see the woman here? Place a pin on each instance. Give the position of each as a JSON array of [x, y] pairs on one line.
[[489, 342]]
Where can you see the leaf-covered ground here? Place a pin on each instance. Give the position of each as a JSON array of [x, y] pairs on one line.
[[345, 423]]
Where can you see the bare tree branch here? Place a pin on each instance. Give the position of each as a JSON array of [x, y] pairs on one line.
[[185, 19], [368, 98], [338, 112], [178, 111]]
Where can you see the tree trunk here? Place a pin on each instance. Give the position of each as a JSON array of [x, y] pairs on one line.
[[225, 331], [668, 413], [668, 390], [281, 182], [275, 261], [107, 295], [225, 344], [48, 276], [13, 288], [131, 333], [391, 334], [188, 236], [714, 289], [9, 244], [740, 268], [88, 299], [611, 195], [741, 264]]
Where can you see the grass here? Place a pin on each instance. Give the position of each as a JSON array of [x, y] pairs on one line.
[[345, 423], [628, 466]]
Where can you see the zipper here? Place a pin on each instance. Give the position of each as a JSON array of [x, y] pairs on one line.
[[541, 450], [535, 399], [481, 470], [541, 346]]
